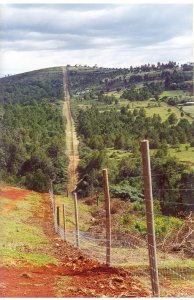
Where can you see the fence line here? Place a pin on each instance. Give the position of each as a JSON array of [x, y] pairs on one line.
[[123, 252], [96, 249]]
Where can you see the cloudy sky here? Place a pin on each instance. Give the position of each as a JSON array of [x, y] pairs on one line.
[[36, 36]]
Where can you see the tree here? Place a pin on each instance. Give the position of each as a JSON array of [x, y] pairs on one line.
[[172, 119], [119, 142]]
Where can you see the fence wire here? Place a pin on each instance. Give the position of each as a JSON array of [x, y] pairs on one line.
[[132, 255]]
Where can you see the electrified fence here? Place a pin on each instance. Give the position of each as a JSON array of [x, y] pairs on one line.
[[165, 273]]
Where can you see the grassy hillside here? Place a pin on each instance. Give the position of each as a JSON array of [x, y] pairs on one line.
[[23, 241]]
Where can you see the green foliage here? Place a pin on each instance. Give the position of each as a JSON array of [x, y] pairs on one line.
[[172, 119], [122, 129], [163, 225], [126, 192], [32, 145], [171, 183], [92, 161], [28, 87]]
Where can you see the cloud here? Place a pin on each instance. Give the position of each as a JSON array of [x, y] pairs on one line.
[[104, 34]]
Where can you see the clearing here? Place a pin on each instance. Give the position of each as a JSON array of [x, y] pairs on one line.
[[71, 138]]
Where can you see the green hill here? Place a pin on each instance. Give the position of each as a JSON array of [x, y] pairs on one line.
[[32, 135]]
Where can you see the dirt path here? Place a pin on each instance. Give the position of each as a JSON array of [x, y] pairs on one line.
[[71, 138]]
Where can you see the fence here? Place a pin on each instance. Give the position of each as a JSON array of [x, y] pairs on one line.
[[168, 274]]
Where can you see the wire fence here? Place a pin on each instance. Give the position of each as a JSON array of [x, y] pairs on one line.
[[131, 253], [129, 250]]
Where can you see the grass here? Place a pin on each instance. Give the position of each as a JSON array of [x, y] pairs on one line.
[[115, 93], [189, 109], [164, 111], [18, 257], [173, 93], [183, 155], [151, 107], [22, 242], [84, 212]]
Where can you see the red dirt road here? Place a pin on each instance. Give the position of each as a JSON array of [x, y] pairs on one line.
[[75, 276]]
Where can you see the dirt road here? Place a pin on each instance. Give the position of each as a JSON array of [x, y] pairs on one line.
[[71, 138]]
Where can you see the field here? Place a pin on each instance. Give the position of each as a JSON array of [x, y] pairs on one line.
[[183, 154], [189, 109], [174, 93], [151, 107]]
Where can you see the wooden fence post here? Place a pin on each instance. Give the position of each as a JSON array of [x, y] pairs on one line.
[[58, 217], [108, 218], [97, 198], [54, 204], [150, 218], [64, 222], [51, 186], [76, 220]]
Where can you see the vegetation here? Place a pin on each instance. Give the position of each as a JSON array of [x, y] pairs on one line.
[[32, 145], [21, 242], [36, 85], [124, 129], [32, 135], [103, 123]]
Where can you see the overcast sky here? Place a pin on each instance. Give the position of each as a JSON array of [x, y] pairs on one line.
[[39, 36]]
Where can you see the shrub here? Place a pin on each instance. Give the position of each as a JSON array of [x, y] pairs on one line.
[[126, 192]]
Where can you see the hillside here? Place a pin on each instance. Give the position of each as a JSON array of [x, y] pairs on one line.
[[64, 125], [115, 109], [33, 129], [35, 262], [32, 86]]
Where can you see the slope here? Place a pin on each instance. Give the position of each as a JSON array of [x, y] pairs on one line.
[[32, 138], [36, 263]]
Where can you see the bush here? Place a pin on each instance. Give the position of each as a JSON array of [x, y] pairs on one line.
[[126, 192]]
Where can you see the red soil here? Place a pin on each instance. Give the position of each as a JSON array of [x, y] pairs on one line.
[[75, 276], [88, 282], [14, 194]]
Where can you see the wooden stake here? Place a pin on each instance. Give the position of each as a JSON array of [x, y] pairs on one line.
[[64, 222], [108, 218], [54, 204], [58, 217], [76, 220], [150, 218]]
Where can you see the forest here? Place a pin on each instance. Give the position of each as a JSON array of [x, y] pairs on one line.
[[32, 139]]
